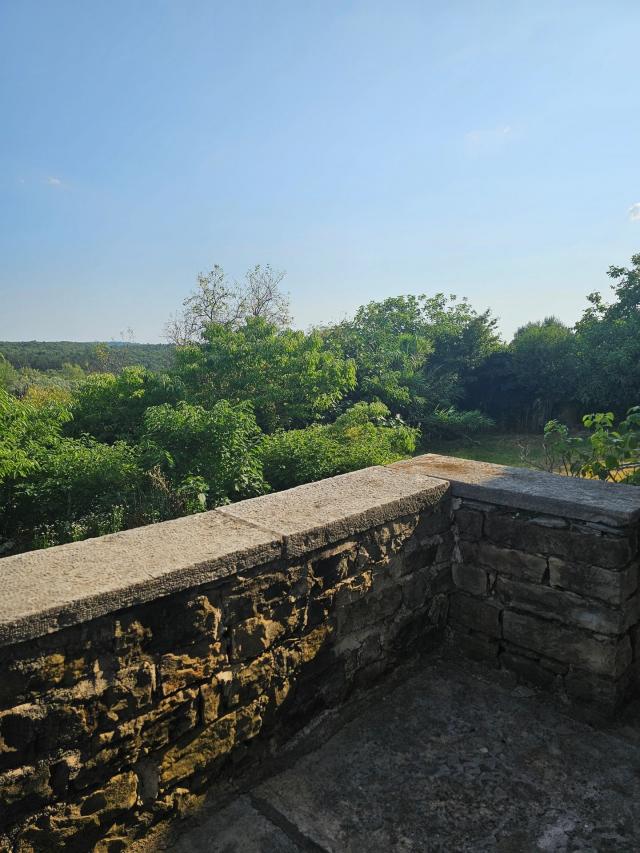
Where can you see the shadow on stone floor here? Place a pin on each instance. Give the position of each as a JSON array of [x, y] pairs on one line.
[[444, 761]]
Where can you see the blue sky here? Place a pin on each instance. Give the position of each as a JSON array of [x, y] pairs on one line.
[[488, 149]]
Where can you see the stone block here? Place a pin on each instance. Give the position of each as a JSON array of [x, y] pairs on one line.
[[613, 587], [533, 491], [119, 794], [211, 698], [177, 671], [470, 578], [436, 520], [579, 544], [508, 561], [317, 514], [565, 606], [254, 636], [477, 646], [25, 787], [469, 523], [49, 589], [483, 616], [199, 752], [586, 688], [531, 670], [608, 656], [422, 555]]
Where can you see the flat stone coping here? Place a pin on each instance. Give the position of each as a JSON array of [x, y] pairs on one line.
[[316, 514], [44, 591], [536, 491]]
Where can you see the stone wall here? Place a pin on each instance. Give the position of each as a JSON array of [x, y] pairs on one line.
[[122, 719], [138, 669], [546, 579]]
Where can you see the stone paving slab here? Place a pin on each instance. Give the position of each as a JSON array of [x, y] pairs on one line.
[[239, 828], [449, 762]]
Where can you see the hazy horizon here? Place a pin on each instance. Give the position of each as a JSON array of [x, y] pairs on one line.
[[369, 150]]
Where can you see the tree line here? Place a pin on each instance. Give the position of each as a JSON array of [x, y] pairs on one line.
[[247, 404]]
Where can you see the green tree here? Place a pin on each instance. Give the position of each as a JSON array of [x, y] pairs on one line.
[[415, 353], [608, 344], [290, 377], [544, 367], [111, 407], [27, 432], [8, 375], [55, 489], [210, 452]]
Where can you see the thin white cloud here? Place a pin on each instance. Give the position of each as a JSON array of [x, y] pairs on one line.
[[634, 212], [488, 140], [54, 182]]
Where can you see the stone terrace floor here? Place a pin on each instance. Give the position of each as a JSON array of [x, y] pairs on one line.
[[444, 760]]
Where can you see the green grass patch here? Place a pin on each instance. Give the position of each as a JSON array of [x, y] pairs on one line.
[[519, 449]]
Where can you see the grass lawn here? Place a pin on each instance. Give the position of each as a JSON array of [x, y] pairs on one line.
[[503, 448]]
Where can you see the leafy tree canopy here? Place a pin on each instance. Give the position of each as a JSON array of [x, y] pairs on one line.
[[364, 435], [291, 378], [218, 446], [414, 352], [111, 407]]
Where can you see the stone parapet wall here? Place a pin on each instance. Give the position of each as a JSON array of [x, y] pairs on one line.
[[552, 599], [546, 579], [117, 721], [138, 669]]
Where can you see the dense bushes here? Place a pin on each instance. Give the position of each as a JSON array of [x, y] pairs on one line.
[[251, 406], [55, 489], [452, 423], [364, 435], [111, 407], [212, 451], [552, 371], [290, 377], [605, 452]]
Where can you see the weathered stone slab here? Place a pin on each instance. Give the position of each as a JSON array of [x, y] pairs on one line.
[[604, 656], [239, 828], [505, 561], [581, 545], [450, 763], [593, 581], [43, 591], [566, 607], [521, 488], [317, 514]]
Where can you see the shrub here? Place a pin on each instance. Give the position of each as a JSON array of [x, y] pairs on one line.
[[211, 453], [75, 488], [451, 423], [364, 435], [606, 452], [111, 407]]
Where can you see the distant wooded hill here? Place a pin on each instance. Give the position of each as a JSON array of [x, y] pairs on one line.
[[51, 355]]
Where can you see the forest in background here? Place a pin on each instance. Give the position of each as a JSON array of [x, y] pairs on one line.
[[95, 438]]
